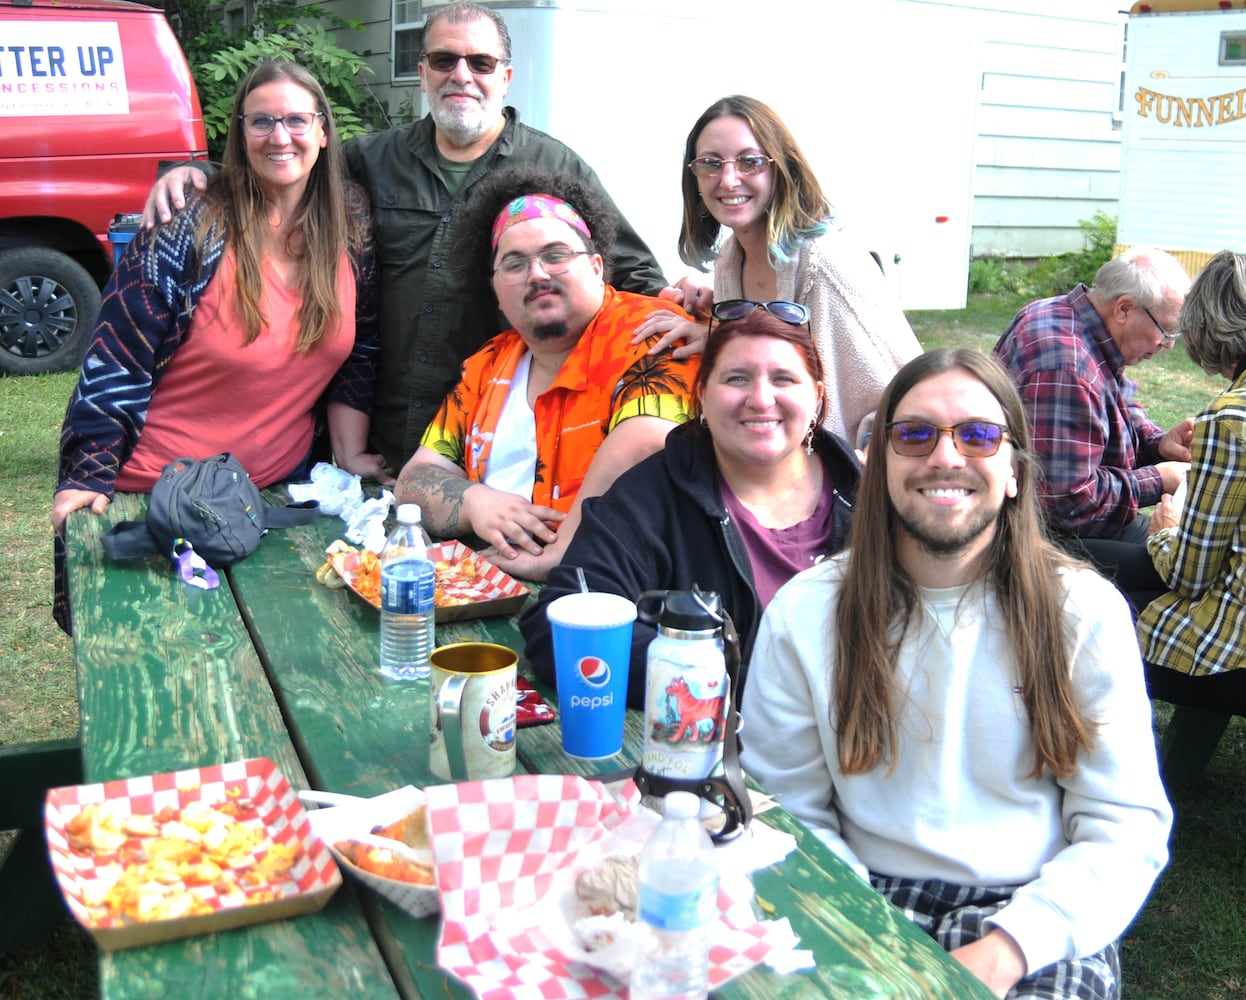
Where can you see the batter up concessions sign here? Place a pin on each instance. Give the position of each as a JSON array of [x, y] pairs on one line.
[[62, 68]]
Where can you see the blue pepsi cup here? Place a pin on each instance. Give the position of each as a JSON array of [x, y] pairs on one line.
[[592, 655]]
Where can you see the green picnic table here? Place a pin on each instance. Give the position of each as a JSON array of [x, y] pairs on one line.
[[273, 664]]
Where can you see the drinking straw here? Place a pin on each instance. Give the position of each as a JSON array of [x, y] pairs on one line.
[[579, 572]]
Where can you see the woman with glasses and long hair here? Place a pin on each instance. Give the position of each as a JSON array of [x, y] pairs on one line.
[[744, 173], [741, 498], [1191, 637], [224, 329]]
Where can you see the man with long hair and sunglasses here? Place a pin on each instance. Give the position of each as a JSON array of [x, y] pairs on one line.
[[958, 709], [417, 177], [554, 409]]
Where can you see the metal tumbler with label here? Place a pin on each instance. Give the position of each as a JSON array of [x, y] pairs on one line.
[[686, 688]]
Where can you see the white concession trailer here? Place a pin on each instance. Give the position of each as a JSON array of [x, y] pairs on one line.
[[1183, 153]]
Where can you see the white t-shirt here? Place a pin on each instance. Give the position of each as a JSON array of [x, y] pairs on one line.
[[512, 457], [959, 804]]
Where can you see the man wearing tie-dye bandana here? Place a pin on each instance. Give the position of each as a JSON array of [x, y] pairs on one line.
[[554, 409]]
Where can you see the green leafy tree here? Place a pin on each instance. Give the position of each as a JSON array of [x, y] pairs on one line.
[[220, 61]]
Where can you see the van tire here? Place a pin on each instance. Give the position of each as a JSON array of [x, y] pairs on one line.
[[48, 307]]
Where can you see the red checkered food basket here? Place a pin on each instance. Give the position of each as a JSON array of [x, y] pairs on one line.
[[508, 852], [266, 811]]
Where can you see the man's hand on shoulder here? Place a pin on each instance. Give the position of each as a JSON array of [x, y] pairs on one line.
[[671, 328], [168, 196]]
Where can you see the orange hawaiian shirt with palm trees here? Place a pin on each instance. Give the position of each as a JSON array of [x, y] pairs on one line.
[[604, 380]]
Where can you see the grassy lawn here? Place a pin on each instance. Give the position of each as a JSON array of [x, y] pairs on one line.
[[1186, 945]]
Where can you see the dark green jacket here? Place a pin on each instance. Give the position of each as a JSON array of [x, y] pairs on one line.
[[430, 322]]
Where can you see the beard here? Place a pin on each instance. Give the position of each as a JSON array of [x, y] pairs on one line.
[[553, 330], [942, 539], [462, 125]]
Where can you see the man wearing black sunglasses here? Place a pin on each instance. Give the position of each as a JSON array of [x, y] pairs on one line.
[[418, 176]]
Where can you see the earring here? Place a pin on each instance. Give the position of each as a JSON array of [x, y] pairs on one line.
[[809, 439], [704, 422]]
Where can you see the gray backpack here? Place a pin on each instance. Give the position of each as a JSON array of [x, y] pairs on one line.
[[208, 506]]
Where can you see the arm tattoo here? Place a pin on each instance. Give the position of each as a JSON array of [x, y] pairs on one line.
[[439, 494]]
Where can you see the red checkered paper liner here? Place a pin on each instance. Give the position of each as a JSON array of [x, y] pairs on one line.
[[491, 591], [313, 875], [506, 848], [457, 592]]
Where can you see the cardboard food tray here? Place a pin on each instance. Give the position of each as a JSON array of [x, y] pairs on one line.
[[349, 816], [307, 887], [491, 592]]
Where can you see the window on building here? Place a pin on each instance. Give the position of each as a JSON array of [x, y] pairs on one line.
[[408, 21], [1232, 48], [238, 15]]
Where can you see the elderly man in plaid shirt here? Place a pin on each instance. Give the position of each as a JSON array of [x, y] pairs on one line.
[[1103, 458]]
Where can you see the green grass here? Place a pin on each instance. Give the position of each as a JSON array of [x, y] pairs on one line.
[[1186, 945], [38, 687]]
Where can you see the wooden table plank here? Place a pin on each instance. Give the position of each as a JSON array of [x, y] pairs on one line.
[[358, 732], [169, 679]]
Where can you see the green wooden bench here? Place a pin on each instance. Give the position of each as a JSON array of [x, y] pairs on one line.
[[27, 771]]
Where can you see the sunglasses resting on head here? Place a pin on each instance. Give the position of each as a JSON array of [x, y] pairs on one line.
[[732, 309]]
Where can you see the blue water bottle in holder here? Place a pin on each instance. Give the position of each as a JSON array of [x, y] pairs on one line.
[[408, 588]]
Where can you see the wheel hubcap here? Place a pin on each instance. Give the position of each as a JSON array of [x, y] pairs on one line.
[[37, 315]]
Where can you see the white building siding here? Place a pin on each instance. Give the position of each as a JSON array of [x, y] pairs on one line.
[[1048, 151]]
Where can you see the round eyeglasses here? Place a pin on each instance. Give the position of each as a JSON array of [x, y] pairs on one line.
[[789, 312], [971, 438], [297, 123], [478, 62], [515, 267], [746, 165]]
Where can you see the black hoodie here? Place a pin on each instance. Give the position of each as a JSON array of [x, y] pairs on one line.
[[663, 526]]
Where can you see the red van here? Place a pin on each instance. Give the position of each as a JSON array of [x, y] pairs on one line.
[[94, 94]]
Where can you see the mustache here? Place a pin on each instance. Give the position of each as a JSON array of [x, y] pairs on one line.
[[542, 288], [470, 91]]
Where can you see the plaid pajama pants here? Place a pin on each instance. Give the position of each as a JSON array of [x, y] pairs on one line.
[[954, 915]]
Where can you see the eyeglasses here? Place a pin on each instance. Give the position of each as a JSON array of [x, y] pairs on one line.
[[517, 266], [971, 438], [477, 62], [1168, 338], [746, 165], [298, 123], [789, 312]]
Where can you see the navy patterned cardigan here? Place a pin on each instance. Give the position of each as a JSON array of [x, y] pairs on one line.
[[146, 312]]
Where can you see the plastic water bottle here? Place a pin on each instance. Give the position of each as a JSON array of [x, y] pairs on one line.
[[678, 905], [408, 616]]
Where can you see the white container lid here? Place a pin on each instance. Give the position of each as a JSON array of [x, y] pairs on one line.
[[408, 513]]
